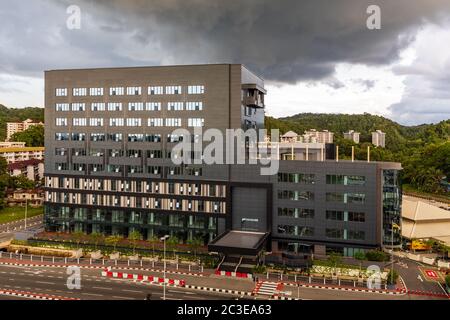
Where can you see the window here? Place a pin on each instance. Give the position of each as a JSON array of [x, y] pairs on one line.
[[196, 89], [174, 138], [335, 215], [153, 106], [116, 122], [154, 154], [116, 137], [78, 152], [96, 153], [155, 90], [79, 167], [152, 138], [114, 168], [97, 106], [347, 180], [155, 122], [98, 137], [79, 122], [173, 122], [116, 91], [78, 107], [61, 92], [134, 153], [173, 89], [135, 106], [134, 91], [61, 151], [295, 195], [356, 235], [355, 198], [196, 172], [137, 137], [134, 122], [96, 122], [296, 213], [296, 178], [114, 106], [79, 92], [174, 171], [174, 106], [61, 166], [301, 231], [114, 153], [334, 233], [78, 136], [154, 169], [196, 122], [61, 122], [61, 136], [356, 216], [96, 91], [194, 106], [62, 107]]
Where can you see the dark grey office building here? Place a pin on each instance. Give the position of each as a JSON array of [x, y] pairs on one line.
[[108, 167]]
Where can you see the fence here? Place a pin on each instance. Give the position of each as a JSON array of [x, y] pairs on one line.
[[185, 267]]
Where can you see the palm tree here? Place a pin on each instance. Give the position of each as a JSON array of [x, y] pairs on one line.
[[134, 237], [153, 241], [95, 236], [195, 244], [113, 240], [78, 235], [172, 243]]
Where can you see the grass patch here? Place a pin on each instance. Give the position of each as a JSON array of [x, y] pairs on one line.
[[9, 214], [409, 190]]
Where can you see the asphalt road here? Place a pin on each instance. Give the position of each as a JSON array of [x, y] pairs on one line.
[[32, 223], [52, 281], [414, 279]]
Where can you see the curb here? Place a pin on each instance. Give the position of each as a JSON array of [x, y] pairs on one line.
[[241, 293], [401, 291], [99, 267], [428, 293], [33, 295], [234, 274], [141, 277]]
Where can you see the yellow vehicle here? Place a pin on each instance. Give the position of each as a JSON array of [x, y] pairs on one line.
[[419, 245]]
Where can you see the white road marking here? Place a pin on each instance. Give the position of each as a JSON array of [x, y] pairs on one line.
[[93, 294], [102, 288], [125, 298], [419, 277], [135, 291], [182, 292], [45, 282]]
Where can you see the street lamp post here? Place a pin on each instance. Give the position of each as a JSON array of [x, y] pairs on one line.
[[163, 239], [26, 205]]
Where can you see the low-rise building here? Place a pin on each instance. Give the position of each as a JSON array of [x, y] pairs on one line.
[[14, 127], [33, 169], [20, 197], [379, 138], [12, 144], [313, 135], [13, 155], [352, 135]]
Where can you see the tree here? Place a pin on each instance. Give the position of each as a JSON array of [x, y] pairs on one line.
[[134, 237], [447, 282], [78, 235], [392, 277], [359, 255], [172, 243], [335, 260], [33, 137], [113, 240], [96, 237], [195, 244], [153, 240]]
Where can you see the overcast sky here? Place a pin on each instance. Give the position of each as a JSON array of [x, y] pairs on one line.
[[316, 55]]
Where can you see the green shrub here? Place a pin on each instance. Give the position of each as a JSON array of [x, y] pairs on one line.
[[392, 277], [447, 281], [377, 255]]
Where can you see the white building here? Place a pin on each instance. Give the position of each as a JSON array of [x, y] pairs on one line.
[[379, 138], [352, 135], [14, 127], [314, 136]]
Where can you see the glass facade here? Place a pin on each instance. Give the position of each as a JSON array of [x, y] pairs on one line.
[[392, 199]]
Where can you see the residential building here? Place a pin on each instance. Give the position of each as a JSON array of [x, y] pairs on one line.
[[108, 167], [15, 154], [20, 197], [33, 169], [14, 127], [313, 135], [352, 135], [12, 144], [379, 139]]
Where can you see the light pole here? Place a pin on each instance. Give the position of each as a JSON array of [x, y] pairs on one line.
[[26, 205], [163, 239]]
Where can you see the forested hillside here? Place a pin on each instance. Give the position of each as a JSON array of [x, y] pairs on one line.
[[423, 150], [13, 115]]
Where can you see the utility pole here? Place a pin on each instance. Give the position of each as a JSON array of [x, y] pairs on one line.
[[163, 239], [26, 205]]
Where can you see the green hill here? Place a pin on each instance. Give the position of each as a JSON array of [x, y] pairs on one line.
[[423, 150], [13, 115]]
